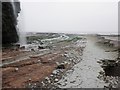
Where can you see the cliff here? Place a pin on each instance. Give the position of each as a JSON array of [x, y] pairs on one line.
[[9, 22]]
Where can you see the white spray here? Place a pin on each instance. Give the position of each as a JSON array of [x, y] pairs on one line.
[[21, 32]]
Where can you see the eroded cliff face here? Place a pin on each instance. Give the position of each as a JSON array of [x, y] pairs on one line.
[[9, 22]]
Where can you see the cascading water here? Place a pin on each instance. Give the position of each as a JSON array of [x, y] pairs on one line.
[[13, 6], [21, 33]]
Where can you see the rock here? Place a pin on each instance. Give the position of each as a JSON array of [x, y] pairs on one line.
[[49, 81], [9, 22], [29, 79], [47, 78], [35, 84], [29, 84], [22, 47], [99, 62], [17, 45], [40, 47], [61, 66], [43, 83], [70, 59], [39, 60], [56, 80], [51, 75], [65, 62], [50, 42], [55, 72], [57, 63], [32, 50], [16, 69], [72, 81], [66, 55]]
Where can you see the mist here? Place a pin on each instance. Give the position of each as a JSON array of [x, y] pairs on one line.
[[70, 17]]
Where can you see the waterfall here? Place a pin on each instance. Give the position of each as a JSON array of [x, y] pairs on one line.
[[22, 33], [14, 10], [19, 27]]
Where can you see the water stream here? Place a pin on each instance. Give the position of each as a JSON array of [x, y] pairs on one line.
[[85, 74]]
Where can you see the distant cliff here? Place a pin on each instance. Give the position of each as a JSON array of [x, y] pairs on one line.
[[9, 22]]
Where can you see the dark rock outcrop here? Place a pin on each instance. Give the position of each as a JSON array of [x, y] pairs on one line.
[[9, 22]]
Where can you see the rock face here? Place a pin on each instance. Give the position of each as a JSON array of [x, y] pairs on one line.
[[9, 22]]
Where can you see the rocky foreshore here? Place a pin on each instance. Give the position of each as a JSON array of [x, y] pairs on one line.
[[40, 67], [111, 68], [111, 40], [46, 63]]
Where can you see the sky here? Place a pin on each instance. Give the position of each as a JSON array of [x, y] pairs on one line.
[[69, 16]]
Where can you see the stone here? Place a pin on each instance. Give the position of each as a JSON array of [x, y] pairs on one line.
[[17, 45], [40, 47], [51, 75], [56, 80], [39, 60], [43, 83], [32, 50], [66, 55], [35, 84], [60, 66], [29, 79], [22, 47], [55, 72], [9, 22], [65, 62], [16, 69], [57, 63], [47, 78]]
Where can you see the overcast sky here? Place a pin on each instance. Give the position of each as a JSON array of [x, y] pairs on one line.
[[69, 16]]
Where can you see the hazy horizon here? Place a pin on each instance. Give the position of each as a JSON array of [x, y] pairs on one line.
[[69, 17]]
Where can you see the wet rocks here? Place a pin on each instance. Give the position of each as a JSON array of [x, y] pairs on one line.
[[22, 47], [33, 50], [111, 72], [72, 81], [66, 55], [55, 72], [40, 47], [62, 66], [48, 80], [110, 66], [17, 45], [56, 80], [111, 41], [107, 63]]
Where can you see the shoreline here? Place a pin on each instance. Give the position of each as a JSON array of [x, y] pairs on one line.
[[50, 66]]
